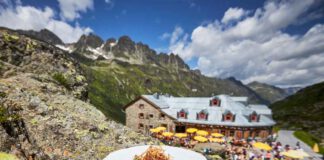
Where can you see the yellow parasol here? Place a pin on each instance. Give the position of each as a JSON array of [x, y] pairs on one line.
[[200, 139], [299, 154], [212, 139], [263, 146], [192, 130], [202, 133], [181, 135], [217, 135], [315, 148], [167, 134], [160, 128], [154, 130]]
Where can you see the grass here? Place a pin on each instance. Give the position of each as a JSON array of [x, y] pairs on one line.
[[60, 78], [309, 139]]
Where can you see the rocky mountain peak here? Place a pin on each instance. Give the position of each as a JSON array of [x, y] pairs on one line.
[[90, 40], [172, 60], [110, 42], [125, 44]]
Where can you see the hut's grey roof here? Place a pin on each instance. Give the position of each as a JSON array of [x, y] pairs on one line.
[[193, 105]]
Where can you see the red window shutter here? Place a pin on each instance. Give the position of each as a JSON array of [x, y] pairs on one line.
[[202, 116]]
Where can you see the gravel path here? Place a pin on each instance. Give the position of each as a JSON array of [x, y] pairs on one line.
[[287, 137]]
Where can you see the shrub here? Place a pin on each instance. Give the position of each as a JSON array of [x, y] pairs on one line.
[[2, 94], [62, 80]]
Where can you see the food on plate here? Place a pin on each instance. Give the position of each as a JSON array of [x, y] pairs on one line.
[[153, 153]]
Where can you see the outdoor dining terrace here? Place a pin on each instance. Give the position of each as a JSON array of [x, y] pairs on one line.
[[218, 146]]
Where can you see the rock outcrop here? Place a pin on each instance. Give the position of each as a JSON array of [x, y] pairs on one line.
[[44, 113], [43, 35]]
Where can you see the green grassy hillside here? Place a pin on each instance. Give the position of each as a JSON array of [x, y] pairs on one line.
[[112, 84], [303, 110]]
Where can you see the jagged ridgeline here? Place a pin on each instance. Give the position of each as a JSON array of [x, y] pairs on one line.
[[119, 70]]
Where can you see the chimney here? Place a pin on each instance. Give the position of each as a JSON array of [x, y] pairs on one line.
[[156, 95]]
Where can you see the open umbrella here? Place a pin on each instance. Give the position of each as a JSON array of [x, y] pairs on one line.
[[161, 128], [202, 133], [192, 130], [299, 154], [181, 135], [217, 135], [167, 134], [154, 130], [315, 148], [200, 139], [263, 146]]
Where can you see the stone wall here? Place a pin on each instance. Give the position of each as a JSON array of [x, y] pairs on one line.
[[151, 117]]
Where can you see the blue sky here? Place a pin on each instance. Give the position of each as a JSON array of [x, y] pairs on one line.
[[147, 20], [277, 42]]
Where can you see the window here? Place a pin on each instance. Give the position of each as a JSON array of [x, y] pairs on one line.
[[215, 102], [202, 116], [182, 115], [141, 106], [254, 117], [150, 126], [162, 116], [141, 126], [232, 133], [228, 117], [141, 115], [151, 116]]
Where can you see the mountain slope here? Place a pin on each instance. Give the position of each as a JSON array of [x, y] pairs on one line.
[[43, 108], [121, 70], [118, 70], [305, 110], [43, 35], [268, 92]]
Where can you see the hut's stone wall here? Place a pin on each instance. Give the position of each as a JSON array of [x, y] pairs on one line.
[[142, 116]]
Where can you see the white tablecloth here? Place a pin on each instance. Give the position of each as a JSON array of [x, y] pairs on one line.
[[175, 153]]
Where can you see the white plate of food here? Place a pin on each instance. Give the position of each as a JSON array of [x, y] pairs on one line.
[[157, 152]]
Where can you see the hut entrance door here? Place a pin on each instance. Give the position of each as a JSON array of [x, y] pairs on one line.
[[180, 129]]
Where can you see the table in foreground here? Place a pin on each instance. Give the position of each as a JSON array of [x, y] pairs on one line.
[[175, 153]]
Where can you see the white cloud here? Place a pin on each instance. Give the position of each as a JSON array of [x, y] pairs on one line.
[[31, 18], [178, 31], [165, 36], [70, 8], [233, 14], [256, 48]]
